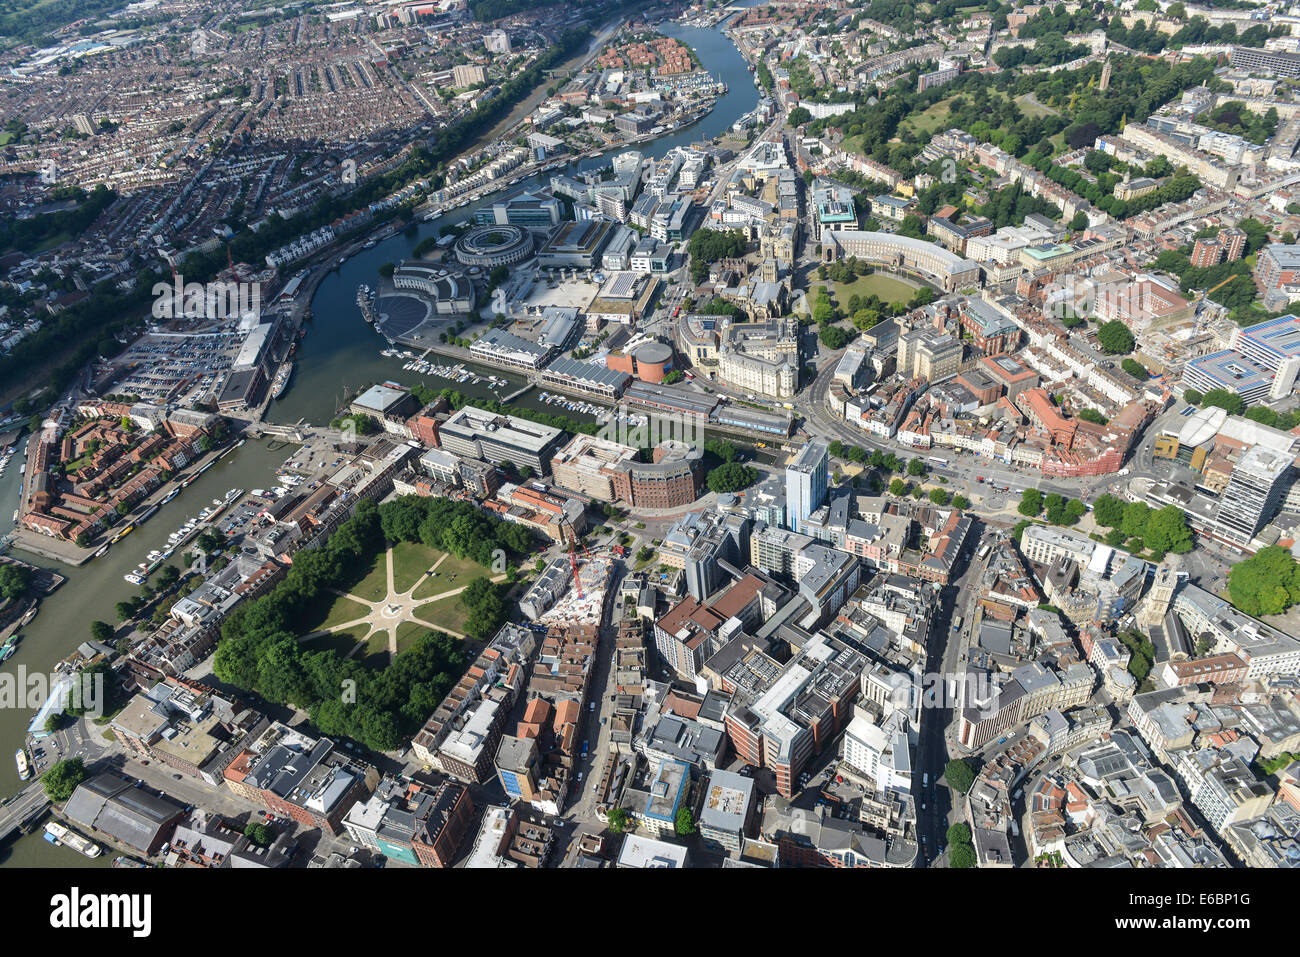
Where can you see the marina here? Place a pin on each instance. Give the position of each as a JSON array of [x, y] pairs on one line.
[[178, 539]]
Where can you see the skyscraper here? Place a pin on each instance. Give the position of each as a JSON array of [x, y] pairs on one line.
[[1254, 490], [805, 484]]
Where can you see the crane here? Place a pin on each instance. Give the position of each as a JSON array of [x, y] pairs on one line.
[[574, 544]]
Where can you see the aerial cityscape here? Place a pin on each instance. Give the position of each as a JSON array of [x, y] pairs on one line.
[[785, 434]]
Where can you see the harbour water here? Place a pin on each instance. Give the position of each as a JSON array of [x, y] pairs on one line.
[[340, 350], [90, 594]]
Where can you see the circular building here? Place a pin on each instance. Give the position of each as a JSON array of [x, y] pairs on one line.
[[492, 246], [654, 360]]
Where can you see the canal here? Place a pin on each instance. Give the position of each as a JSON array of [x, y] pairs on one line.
[[340, 353]]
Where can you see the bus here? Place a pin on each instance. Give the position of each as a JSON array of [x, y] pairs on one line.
[[937, 461], [956, 623], [984, 552]]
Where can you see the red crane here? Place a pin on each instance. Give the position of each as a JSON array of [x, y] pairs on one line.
[[574, 544]]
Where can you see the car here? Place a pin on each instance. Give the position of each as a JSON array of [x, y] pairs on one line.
[[177, 777], [592, 706], [579, 777]]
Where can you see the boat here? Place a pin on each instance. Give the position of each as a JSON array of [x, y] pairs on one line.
[[170, 495], [56, 833], [281, 382], [240, 443], [133, 578], [147, 515], [121, 535], [101, 553], [8, 648], [127, 862], [24, 771]]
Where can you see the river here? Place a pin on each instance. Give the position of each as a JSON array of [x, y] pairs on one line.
[[340, 352]]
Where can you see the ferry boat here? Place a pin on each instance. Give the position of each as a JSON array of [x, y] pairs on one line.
[[56, 834], [24, 771], [121, 535]]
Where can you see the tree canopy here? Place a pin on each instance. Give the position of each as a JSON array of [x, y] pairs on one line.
[[1267, 583]]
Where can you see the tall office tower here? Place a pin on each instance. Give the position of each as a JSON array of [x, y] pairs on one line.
[[805, 484], [1254, 491]]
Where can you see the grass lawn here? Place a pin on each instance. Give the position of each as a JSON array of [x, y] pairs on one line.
[[464, 570], [373, 586], [410, 561], [329, 610], [931, 119], [341, 641], [1032, 108], [447, 614], [886, 287], [407, 632]]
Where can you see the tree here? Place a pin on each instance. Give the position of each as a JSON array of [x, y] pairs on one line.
[[940, 496], [102, 631], [125, 610], [684, 824], [1223, 399], [62, 779], [916, 468], [1079, 221], [1108, 510], [1268, 583], [961, 856], [258, 833], [13, 581], [1093, 416], [619, 820], [799, 116], [731, 477], [1167, 531], [898, 487], [1031, 502], [960, 501], [959, 774], [1136, 516], [1114, 337], [486, 609], [833, 337], [1192, 397], [1136, 369]]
